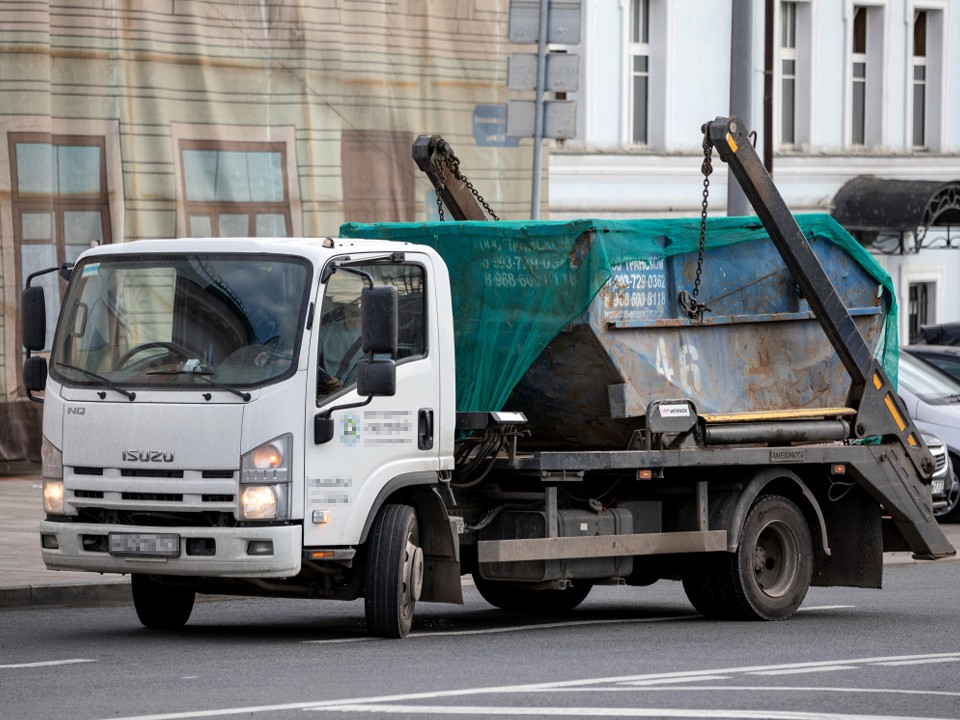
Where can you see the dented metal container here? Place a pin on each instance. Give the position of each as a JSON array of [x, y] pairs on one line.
[[758, 348]]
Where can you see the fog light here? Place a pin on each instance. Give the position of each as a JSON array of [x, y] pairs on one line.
[[53, 496], [49, 542], [260, 547], [259, 502]]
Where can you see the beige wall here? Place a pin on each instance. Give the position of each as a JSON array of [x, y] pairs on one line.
[[305, 72]]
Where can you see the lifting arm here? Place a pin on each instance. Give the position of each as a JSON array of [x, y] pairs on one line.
[[880, 412], [435, 158]]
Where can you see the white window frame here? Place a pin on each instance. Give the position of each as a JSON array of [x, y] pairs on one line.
[[239, 134], [875, 120], [10, 348], [911, 274], [934, 116], [635, 50], [804, 75], [658, 104]]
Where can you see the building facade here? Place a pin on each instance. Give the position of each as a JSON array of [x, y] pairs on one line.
[[128, 119], [860, 88]]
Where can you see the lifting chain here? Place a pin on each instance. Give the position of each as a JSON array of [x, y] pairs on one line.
[[446, 158], [691, 302]]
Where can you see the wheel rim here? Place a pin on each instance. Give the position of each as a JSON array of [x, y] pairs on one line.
[[412, 576], [776, 559]]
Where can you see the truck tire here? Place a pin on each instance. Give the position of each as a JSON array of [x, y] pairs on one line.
[[159, 606], [394, 576], [525, 600], [767, 577]]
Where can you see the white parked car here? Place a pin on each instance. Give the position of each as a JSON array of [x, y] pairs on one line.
[[932, 398]]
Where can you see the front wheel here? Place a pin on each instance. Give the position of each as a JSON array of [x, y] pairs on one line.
[[159, 606], [394, 576], [768, 575]]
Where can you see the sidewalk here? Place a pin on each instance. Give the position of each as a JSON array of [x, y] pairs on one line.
[[25, 582]]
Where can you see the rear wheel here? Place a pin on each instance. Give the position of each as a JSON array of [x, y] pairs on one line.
[[160, 606], [394, 576], [767, 577], [521, 599]]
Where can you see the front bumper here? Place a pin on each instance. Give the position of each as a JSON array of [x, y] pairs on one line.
[[82, 546]]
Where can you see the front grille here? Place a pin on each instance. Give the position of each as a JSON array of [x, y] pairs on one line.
[[129, 472], [152, 497], [939, 453], [941, 461], [87, 471], [167, 518]]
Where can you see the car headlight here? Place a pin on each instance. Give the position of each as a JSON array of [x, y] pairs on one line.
[[265, 474]]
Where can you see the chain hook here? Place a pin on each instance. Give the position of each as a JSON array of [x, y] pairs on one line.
[[452, 163], [690, 302]]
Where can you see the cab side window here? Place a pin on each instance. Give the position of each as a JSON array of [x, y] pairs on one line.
[[340, 326]]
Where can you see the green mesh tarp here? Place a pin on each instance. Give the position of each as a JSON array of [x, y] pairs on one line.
[[517, 284]]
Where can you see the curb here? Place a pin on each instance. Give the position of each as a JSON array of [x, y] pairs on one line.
[[25, 597]]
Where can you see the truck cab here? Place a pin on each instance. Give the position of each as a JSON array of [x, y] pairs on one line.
[[204, 419]]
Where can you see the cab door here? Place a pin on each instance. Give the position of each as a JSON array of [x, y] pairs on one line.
[[390, 441]]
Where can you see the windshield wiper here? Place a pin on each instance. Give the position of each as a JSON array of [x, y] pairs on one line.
[[204, 375], [130, 394]]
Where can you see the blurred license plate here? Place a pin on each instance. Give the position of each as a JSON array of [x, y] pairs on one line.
[[145, 544], [936, 487]]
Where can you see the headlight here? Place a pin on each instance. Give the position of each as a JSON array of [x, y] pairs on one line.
[[265, 474], [52, 496], [260, 502]]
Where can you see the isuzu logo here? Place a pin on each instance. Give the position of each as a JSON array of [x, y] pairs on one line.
[[147, 456]]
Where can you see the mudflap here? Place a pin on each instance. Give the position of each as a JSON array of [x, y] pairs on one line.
[[890, 480]]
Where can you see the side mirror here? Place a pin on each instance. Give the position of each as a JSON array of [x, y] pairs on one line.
[[323, 428], [33, 318], [380, 309], [377, 378], [34, 375]]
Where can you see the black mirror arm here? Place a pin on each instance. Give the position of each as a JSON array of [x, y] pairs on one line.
[[323, 423]]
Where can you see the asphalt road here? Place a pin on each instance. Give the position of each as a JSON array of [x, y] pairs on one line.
[[627, 652]]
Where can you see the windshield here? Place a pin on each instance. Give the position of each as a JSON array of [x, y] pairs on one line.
[[926, 382], [185, 321]]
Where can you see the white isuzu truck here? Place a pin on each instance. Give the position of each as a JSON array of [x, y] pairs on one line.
[[524, 403]]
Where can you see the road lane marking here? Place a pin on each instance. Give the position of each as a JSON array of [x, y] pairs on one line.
[[46, 663], [544, 626], [513, 628], [927, 661], [663, 687], [664, 681], [797, 671], [826, 607], [593, 711], [568, 685]]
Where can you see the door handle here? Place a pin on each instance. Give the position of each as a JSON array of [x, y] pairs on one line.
[[425, 429]]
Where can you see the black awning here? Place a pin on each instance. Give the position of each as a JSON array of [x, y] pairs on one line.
[[871, 204]]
